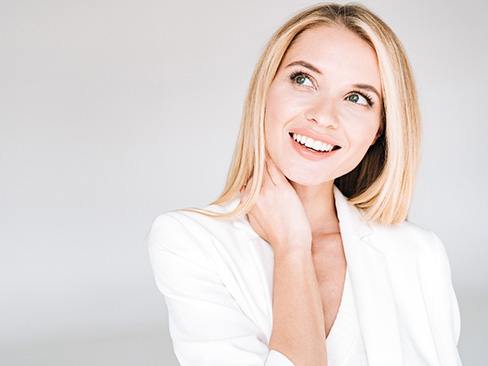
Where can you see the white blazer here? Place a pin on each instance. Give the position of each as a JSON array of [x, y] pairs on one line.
[[217, 282]]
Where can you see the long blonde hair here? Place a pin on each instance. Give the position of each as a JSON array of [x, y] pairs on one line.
[[381, 185]]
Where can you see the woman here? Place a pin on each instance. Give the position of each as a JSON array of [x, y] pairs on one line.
[[307, 257]]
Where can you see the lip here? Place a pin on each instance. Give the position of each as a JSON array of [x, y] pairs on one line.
[[309, 133], [310, 154]]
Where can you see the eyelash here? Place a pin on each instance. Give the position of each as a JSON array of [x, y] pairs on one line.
[[365, 95]]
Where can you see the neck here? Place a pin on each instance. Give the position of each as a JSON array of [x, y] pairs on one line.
[[319, 205]]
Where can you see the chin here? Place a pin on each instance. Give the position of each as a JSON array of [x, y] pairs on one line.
[[310, 183], [306, 179]]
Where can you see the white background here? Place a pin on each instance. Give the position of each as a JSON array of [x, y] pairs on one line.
[[112, 112]]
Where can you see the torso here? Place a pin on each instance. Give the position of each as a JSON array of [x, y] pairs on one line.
[[330, 268]]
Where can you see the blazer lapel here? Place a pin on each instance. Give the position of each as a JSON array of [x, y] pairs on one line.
[[371, 287]]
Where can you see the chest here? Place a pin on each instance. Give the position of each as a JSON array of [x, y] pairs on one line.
[[330, 269]]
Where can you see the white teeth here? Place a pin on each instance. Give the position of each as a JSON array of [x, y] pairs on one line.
[[309, 142]]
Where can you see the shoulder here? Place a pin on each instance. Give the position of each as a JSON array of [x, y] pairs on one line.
[[410, 240], [406, 237], [415, 244], [188, 232], [408, 244]]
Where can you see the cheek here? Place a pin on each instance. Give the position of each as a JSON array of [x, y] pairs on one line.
[[277, 114], [283, 103], [360, 140], [278, 107], [361, 129], [271, 127]]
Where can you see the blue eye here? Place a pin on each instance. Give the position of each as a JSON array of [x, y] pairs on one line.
[[299, 75], [368, 99]]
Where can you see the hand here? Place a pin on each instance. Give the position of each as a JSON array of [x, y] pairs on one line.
[[278, 215]]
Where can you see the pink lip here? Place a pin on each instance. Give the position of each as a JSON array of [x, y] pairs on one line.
[[310, 154], [309, 133]]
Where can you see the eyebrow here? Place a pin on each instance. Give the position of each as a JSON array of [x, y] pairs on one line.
[[316, 70]]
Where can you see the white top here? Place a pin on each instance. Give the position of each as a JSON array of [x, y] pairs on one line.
[[217, 281], [344, 344]]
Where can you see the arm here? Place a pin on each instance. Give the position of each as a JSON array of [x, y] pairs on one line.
[[206, 325], [298, 322]]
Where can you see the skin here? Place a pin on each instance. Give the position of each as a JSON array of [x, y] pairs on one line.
[[323, 103], [295, 211], [326, 104]]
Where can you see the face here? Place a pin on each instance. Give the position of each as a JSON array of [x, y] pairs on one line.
[[329, 97]]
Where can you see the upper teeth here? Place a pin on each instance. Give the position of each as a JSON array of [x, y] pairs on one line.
[[314, 144]]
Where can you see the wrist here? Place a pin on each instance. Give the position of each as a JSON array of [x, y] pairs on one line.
[[292, 251]]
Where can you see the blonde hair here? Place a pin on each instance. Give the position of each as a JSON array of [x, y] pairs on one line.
[[381, 185]]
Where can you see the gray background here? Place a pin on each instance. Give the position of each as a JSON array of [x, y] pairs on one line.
[[112, 112]]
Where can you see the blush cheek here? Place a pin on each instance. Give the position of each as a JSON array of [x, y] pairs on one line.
[[358, 155]]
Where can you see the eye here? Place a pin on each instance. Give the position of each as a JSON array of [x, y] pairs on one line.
[[299, 77], [357, 96]]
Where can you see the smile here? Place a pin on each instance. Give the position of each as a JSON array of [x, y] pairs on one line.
[[315, 150]]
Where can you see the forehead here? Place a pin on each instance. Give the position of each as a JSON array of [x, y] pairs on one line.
[[340, 54]]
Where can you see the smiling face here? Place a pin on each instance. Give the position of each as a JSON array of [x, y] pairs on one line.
[[328, 101]]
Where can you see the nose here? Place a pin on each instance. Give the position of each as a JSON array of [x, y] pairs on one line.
[[322, 113]]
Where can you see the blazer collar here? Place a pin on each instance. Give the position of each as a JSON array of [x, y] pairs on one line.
[[348, 215]]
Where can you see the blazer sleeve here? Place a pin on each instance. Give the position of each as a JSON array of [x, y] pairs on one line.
[[206, 325], [441, 301]]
